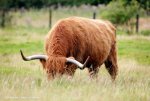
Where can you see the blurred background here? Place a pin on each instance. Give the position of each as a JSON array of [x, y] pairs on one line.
[[130, 16], [24, 25]]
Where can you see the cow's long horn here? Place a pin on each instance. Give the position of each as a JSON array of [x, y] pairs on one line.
[[33, 57], [80, 65]]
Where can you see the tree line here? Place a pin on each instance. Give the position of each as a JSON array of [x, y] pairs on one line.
[[44, 3], [7, 4]]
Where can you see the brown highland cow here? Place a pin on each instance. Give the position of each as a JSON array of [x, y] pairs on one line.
[[74, 40]]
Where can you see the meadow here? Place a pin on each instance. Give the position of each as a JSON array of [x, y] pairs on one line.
[[26, 81]]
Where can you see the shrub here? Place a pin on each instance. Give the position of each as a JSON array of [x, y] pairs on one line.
[[119, 12], [145, 32]]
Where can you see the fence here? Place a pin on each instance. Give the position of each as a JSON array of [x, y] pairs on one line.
[[53, 16]]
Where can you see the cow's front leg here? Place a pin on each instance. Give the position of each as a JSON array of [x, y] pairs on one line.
[[93, 71], [70, 70]]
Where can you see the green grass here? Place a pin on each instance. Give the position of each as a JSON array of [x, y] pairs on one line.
[[138, 49], [21, 80], [15, 48], [26, 81], [14, 39], [32, 40]]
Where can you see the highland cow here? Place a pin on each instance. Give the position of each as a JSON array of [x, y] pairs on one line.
[[74, 40]]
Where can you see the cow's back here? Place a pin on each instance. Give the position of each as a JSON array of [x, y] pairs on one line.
[[93, 38], [86, 37]]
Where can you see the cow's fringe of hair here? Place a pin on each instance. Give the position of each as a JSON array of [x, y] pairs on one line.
[[56, 64]]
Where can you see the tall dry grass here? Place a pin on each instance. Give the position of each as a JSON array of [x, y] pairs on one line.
[[22, 82]]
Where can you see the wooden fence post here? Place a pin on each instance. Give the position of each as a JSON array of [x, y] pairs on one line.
[[137, 23], [3, 18], [94, 15], [50, 18]]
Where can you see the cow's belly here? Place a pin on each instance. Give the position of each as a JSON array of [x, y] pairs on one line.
[[99, 53]]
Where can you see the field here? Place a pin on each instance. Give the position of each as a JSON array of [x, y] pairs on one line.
[[26, 81]]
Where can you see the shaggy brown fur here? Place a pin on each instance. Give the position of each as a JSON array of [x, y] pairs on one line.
[[79, 38]]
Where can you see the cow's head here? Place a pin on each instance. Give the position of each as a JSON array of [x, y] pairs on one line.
[[48, 62]]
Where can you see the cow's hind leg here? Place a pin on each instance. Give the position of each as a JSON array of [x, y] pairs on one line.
[[111, 63]]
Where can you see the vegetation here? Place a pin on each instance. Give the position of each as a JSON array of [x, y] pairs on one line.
[[145, 32], [123, 14], [138, 49], [127, 8], [21, 80], [42, 3]]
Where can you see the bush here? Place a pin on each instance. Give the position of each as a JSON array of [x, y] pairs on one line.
[[119, 12], [145, 32]]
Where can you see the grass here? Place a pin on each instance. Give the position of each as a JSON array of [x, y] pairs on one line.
[[138, 49], [25, 81], [21, 80], [132, 84], [33, 40]]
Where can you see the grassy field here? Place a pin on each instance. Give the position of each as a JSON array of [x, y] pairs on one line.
[[26, 81]]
